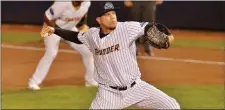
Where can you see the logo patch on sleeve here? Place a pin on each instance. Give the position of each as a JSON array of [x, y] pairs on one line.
[[51, 11]]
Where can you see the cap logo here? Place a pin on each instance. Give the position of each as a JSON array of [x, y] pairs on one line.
[[108, 5]]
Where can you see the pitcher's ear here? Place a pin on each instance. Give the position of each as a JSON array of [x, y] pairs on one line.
[[98, 20]]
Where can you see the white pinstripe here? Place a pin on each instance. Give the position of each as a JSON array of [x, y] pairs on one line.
[[142, 94], [120, 68]]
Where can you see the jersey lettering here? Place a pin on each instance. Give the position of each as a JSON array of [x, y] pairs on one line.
[[72, 19], [107, 50]]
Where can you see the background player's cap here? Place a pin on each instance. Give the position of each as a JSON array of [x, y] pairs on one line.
[[106, 7]]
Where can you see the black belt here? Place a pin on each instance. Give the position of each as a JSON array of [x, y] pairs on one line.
[[122, 88]]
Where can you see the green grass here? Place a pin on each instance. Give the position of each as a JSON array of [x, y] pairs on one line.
[[199, 43], [200, 97], [190, 97], [53, 97], [20, 37]]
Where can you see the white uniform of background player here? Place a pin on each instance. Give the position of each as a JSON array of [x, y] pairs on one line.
[[66, 16]]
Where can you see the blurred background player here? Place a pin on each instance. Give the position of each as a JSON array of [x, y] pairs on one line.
[[143, 11], [65, 15]]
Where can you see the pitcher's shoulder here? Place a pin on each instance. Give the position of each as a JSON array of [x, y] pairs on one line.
[[126, 23], [120, 25], [93, 29]]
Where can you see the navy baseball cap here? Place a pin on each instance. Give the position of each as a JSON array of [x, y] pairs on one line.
[[106, 7]]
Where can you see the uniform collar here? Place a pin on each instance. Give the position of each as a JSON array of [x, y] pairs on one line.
[[101, 34]]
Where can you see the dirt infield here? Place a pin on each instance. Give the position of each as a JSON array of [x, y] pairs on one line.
[[67, 69]]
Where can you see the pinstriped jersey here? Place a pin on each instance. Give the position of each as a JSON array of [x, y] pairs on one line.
[[115, 54]]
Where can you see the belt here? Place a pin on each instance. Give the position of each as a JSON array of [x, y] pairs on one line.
[[122, 88]]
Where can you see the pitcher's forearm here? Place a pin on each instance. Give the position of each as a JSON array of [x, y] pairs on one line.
[[68, 35]]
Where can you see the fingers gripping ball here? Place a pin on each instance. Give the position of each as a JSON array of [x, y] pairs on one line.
[[158, 36], [45, 35], [47, 31]]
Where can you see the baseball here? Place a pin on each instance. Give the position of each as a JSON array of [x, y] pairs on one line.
[[46, 34], [171, 38]]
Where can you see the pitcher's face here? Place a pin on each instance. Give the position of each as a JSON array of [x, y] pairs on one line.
[[108, 20]]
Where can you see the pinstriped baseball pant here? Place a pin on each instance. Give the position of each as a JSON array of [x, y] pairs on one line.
[[141, 94]]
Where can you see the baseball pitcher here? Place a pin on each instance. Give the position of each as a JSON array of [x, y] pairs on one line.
[[114, 51], [65, 15]]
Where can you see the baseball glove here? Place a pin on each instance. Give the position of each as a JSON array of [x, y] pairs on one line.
[[158, 36]]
